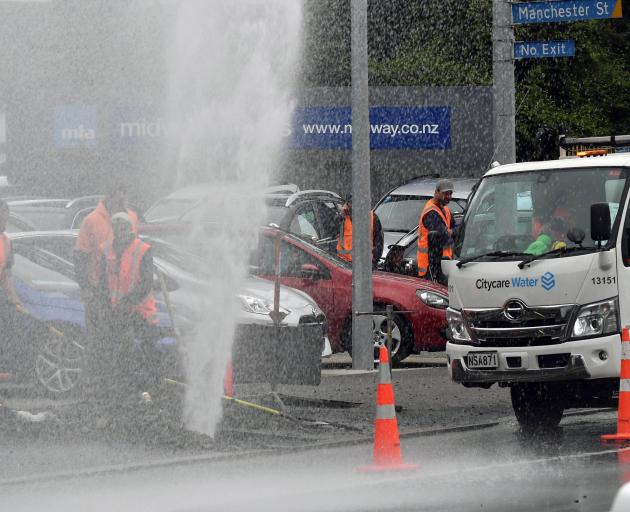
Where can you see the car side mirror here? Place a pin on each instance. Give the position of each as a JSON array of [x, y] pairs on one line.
[[310, 271], [600, 222]]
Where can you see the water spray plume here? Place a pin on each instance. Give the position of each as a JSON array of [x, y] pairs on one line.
[[232, 65]]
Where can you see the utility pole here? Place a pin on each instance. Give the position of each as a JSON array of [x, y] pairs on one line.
[[362, 333], [504, 111]]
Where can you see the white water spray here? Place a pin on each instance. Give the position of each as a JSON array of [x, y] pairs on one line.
[[232, 65]]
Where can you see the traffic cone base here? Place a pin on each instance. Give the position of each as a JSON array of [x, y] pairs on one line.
[[387, 456], [390, 467], [616, 437]]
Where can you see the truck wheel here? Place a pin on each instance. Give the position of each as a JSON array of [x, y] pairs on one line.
[[537, 405]]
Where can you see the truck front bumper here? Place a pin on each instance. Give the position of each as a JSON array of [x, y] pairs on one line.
[[594, 358], [575, 369]]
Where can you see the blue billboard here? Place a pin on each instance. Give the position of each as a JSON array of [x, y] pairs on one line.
[[390, 128], [75, 126]]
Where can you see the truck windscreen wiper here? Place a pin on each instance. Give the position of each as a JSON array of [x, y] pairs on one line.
[[493, 254], [558, 251]]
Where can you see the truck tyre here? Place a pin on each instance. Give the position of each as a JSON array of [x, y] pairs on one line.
[[537, 405]]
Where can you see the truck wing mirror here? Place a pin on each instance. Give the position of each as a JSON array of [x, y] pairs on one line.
[[600, 222]]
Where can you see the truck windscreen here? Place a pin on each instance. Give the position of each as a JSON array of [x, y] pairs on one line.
[[531, 212]]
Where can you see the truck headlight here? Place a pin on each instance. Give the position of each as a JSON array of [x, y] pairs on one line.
[[596, 319], [432, 299], [457, 326]]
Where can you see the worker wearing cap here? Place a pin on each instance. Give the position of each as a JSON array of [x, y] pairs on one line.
[[125, 290], [436, 218], [344, 240], [96, 230]]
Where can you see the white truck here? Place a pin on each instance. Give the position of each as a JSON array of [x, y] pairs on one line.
[[543, 318]]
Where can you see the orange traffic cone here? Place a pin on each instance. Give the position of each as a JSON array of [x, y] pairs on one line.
[[387, 456], [623, 414], [228, 384]]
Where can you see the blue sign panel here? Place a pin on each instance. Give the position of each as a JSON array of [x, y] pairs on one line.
[[75, 126], [538, 50], [390, 128], [565, 10]]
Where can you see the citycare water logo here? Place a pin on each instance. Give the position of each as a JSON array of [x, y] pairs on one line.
[[547, 282], [75, 126]]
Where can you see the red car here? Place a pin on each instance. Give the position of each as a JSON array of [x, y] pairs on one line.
[[328, 280]]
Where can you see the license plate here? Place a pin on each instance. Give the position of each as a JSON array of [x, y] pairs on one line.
[[483, 360]]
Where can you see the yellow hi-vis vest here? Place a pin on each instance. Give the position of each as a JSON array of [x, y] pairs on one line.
[[344, 242], [423, 239]]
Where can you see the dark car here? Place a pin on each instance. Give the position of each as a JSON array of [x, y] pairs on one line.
[[419, 305], [51, 214], [310, 214], [399, 210], [44, 279]]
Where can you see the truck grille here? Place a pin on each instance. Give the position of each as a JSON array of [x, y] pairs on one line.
[[496, 327]]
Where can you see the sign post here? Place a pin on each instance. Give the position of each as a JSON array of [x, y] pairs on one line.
[[362, 333]]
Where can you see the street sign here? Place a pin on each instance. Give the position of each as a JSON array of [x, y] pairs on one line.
[[565, 10], [542, 49]]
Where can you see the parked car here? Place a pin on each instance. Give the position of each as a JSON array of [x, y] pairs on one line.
[[420, 319], [45, 214], [399, 210], [402, 256], [311, 214], [44, 280]]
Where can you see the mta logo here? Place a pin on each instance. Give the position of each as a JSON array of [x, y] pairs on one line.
[[75, 126], [548, 281]]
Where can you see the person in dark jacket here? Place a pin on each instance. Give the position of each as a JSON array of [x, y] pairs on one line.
[[122, 353], [344, 240]]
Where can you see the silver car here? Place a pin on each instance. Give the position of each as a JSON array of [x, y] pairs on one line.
[[399, 210]]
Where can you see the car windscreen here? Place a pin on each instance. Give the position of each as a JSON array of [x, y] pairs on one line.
[[510, 212], [42, 218], [168, 209], [400, 213]]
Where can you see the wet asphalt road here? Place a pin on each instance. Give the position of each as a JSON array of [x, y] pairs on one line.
[[492, 469], [262, 462]]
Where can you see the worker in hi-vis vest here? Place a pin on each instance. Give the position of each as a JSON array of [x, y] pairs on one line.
[[435, 233], [344, 240]]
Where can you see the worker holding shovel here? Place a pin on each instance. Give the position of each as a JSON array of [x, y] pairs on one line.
[[120, 353]]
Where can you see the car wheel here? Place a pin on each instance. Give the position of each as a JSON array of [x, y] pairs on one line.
[[59, 362], [537, 405], [402, 337]]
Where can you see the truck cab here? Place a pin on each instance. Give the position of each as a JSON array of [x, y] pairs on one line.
[[540, 285]]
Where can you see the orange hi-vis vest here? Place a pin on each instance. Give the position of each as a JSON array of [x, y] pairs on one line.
[[95, 231], [5, 251], [423, 239], [344, 242], [124, 275]]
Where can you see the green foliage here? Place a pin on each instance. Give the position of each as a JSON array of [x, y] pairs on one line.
[[448, 43]]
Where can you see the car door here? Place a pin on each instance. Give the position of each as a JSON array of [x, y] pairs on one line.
[[300, 270]]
